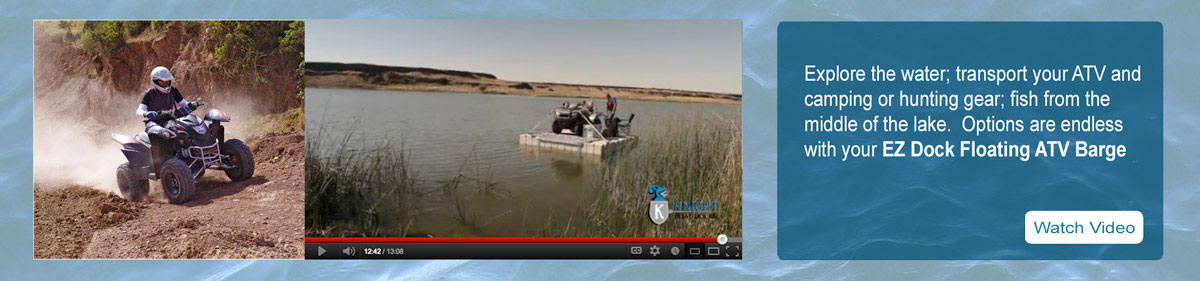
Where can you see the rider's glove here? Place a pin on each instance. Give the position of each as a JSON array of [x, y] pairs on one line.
[[150, 115], [193, 105]]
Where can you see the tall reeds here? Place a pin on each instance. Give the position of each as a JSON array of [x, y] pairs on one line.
[[698, 158], [347, 188]]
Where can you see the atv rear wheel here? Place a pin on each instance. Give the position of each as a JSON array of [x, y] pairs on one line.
[[131, 188], [177, 182], [240, 158]]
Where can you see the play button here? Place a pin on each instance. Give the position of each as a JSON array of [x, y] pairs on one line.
[[320, 251]]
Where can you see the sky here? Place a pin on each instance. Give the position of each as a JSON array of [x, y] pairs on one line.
[[699, 55]]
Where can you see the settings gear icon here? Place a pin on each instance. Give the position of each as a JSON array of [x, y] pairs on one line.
[[654, 250]]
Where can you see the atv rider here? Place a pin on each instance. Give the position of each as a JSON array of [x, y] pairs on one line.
[[161, 103]]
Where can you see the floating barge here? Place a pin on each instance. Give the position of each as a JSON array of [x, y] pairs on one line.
[[577, 144]]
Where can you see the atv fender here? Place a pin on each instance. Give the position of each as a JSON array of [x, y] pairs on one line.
[[138, 154]]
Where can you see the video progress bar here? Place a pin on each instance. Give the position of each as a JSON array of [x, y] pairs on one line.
[[540, 250]]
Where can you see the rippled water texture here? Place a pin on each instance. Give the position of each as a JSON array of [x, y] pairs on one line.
[[1182, 129]]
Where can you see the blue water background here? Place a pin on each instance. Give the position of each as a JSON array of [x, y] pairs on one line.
[[1181, 130]]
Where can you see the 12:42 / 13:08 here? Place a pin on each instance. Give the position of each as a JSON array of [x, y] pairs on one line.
[[381, 251]]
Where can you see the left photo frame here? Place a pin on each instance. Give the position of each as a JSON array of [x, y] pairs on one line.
[[168, 139]]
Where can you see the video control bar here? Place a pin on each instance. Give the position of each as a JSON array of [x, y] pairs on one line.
[[539, 250]]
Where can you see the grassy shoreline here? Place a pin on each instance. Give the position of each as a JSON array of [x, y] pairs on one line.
[[702, 162], [345, 190]]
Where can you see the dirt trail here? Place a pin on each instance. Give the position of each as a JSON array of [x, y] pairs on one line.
[[67, 216], [258, 218]]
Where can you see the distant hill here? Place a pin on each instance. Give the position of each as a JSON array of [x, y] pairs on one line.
[[377, 70], [400, 78]]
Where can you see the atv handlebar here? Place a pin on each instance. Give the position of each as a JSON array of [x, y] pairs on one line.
[[168, 114], [193, 105]]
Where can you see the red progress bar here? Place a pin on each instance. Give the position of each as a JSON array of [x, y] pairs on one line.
[[510, 240]]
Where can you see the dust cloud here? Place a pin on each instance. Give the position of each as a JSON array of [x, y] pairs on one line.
[[64, 155]]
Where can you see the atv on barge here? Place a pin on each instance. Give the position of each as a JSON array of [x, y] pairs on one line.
[[578, 128]]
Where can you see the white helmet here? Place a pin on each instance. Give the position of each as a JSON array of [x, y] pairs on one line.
[[161, 74]]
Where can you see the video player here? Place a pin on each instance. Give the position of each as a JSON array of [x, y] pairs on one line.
[[415, 154]]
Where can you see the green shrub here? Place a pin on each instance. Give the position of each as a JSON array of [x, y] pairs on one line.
[[261, 81], [133, 28], [293, 37], [240, 46], [300, 78], [293, 43], [103, 38]]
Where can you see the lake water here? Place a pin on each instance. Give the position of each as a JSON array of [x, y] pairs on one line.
[[474, 135]]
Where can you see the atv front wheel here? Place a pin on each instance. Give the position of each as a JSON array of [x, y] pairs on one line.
[[131, 188], [556, 127], [240, 158], [177, 182]]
